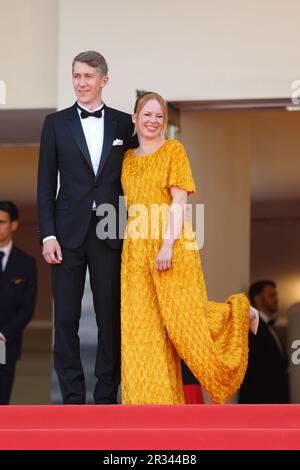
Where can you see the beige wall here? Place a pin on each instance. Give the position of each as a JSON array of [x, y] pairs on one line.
[[218, 145], [275, 248], [275, 227], [28, 51], [238, 156], [18, 183], [18, 176], [190, 50], [275, 164], [186, 51]]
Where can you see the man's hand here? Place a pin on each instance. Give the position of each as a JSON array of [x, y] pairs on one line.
[[52, 252], [2, 338]]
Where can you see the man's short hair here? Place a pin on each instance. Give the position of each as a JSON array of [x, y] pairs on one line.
[[94, 59], [257, 288], [11, 208]]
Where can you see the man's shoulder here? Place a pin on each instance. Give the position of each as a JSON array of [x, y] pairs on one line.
[[69, 112], [63, 113], [117, 114]]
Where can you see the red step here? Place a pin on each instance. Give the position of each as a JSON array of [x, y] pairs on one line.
[[193, 427]]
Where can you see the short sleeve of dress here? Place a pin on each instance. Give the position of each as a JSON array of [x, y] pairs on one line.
[[179, 171]]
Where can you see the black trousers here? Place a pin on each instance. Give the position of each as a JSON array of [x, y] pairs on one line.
[[7, 375], [68, 280]]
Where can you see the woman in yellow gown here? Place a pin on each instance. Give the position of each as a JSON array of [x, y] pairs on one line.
[[165, 313]]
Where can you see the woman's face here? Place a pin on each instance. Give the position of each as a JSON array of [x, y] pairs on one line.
[[150, 120]]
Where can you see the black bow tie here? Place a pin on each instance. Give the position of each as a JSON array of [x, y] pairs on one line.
[[85, 114]]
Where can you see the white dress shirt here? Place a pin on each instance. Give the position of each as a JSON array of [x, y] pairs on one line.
[[93, 129], [266, 319], [6, 249]]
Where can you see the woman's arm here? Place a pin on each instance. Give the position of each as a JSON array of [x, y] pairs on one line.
[[175, 223]]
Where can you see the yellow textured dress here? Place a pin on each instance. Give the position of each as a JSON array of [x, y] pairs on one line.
[[165, 315]]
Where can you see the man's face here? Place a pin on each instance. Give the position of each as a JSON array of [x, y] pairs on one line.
[[267, 301], [7, 227], [88, 84]]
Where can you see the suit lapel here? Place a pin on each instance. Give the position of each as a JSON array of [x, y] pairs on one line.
[[109, 134], [78, 135], [9, 266]]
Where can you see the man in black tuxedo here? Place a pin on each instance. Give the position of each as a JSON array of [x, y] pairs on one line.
[[266, 379], [85, 144], [18, 289]]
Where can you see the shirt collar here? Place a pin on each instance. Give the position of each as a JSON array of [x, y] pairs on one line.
[[7, 249], [84, 107], [265, 317]]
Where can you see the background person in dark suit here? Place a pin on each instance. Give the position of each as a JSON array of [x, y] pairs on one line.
[[18, 289], [266, 379], [85, 144]]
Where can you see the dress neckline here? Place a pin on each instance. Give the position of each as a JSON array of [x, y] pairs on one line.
[[150, 153]]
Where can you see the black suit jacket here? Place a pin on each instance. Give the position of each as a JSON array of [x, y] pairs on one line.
[[266, 379], [64, 150], [18, 290]]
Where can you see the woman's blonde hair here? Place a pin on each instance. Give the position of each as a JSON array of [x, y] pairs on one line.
[[143, 99]]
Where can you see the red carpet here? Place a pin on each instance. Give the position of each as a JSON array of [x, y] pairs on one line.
[[150, 427]]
